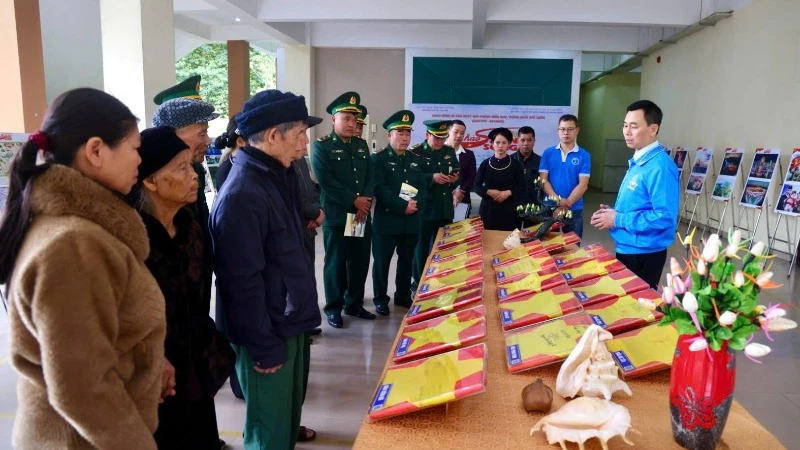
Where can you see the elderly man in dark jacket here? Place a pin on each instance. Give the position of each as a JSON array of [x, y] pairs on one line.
[[265, 276]]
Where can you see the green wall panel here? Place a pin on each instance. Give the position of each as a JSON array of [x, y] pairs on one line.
[[492, 81]]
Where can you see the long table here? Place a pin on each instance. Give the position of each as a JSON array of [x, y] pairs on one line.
[[496, 419]]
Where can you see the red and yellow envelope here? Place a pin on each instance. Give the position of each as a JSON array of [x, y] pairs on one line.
[[555, 242], [441, 334], [525, 232], [625, 313], [452, 238], [472, 222], [592, 269], [433, 286], [608, 287], [540, 263], [645, 350], [532, 248], [410, 387], [529, 284], [441, 304], [452, 252], [546, 343], [445, 267], [578, 256], [535, 308]]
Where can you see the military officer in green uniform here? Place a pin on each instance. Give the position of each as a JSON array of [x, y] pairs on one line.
[[396, 212], [341, 163], [440, 174], [188, 88], [360, 120]]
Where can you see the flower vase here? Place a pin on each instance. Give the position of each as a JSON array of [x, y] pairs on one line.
[[700, 393]]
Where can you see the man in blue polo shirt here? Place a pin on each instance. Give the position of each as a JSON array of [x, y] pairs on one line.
[[565, 170], [642, 222]]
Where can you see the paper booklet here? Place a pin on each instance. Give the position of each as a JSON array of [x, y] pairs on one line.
[[407, 191], [555, 242], [625, 313], [592, 269], [452, 252], [460, 211], [452, 238], [461, 277], [643, 351], [472, 222], [447, 301], [541, 264], [410, 387], [445, 267], [608, 287], [543, 344], [508, 256], [441, 334], [535, 308], [530, 284], [353, 228], [579, 256]]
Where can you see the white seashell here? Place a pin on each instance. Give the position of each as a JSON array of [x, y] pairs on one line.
[[589, 369], [512, 241], [585, 418]]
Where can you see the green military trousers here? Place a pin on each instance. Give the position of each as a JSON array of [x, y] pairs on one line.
[[383, 247], [427, 233], [345, 269], [274, 400]]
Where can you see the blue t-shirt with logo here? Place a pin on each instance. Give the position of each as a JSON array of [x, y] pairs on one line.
[[564, 174]]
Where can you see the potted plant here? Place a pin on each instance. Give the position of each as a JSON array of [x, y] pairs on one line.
[[713, 301]]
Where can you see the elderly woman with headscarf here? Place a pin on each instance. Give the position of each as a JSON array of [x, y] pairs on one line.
[[201, 356]]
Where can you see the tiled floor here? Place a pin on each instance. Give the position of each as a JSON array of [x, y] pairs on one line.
[[346, 365]]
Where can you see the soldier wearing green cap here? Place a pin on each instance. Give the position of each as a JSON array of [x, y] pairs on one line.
[[362, 116], [441, 174], [344, 172], [396, 211], [188, 88]]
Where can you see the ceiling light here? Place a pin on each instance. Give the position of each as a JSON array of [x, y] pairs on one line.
[[237, 19]]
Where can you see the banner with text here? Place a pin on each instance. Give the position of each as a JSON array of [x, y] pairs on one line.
[[481, 119]]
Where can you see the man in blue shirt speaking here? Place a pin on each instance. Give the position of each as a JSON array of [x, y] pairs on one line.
[[643, 220], [565, 170]]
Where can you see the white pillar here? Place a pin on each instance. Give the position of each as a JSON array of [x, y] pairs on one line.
[[138, 52], [296, 71]]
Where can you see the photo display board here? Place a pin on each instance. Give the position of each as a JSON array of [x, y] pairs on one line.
[[697, 178], [789, 199], [759, 179], [728, 172]]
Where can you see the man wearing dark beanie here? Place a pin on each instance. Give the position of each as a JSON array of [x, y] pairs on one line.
[[265, 276]]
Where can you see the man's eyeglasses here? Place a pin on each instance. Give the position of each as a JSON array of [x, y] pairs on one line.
[[567, 130]]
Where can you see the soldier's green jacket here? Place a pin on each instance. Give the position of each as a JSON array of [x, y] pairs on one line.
[[439, 199], [391, 170], [344, 172]]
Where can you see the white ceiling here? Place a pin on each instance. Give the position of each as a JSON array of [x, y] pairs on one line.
[[610, 26]]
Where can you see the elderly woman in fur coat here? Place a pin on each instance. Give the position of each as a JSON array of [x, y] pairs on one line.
[[86, 316]]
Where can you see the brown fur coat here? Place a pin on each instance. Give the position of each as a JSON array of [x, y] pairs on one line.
[[87, 321]]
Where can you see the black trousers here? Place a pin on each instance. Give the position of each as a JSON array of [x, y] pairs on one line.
[[648, 266]]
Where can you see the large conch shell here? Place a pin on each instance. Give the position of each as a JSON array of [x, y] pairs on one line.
[[590, 369], [513, 240], [585, 418]]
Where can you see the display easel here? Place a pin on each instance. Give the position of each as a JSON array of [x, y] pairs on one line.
[[793, 163], [792, 245], [727, 201], [702, 191]]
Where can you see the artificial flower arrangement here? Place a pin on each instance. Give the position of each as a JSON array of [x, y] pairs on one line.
[[718, 301]]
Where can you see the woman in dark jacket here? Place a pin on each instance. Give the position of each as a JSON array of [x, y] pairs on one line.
[[501, 184], [230, 140], [202, 357]]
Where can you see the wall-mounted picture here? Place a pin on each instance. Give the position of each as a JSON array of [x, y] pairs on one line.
[[10, 143], [702, 160], [789, 200], [695, 184], [754, 193], [680, 158], [764, 165], [724, 187], [731, 163]]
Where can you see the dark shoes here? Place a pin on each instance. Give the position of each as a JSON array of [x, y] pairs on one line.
[[382, 310], [316, 332], [335, 320], [361, 314], [403, 303]]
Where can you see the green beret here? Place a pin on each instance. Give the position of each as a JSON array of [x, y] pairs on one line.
[[188, 88], [401, 120], [437, 128], [347, 102]]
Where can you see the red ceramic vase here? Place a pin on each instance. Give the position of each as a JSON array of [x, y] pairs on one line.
[[700, 394]]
